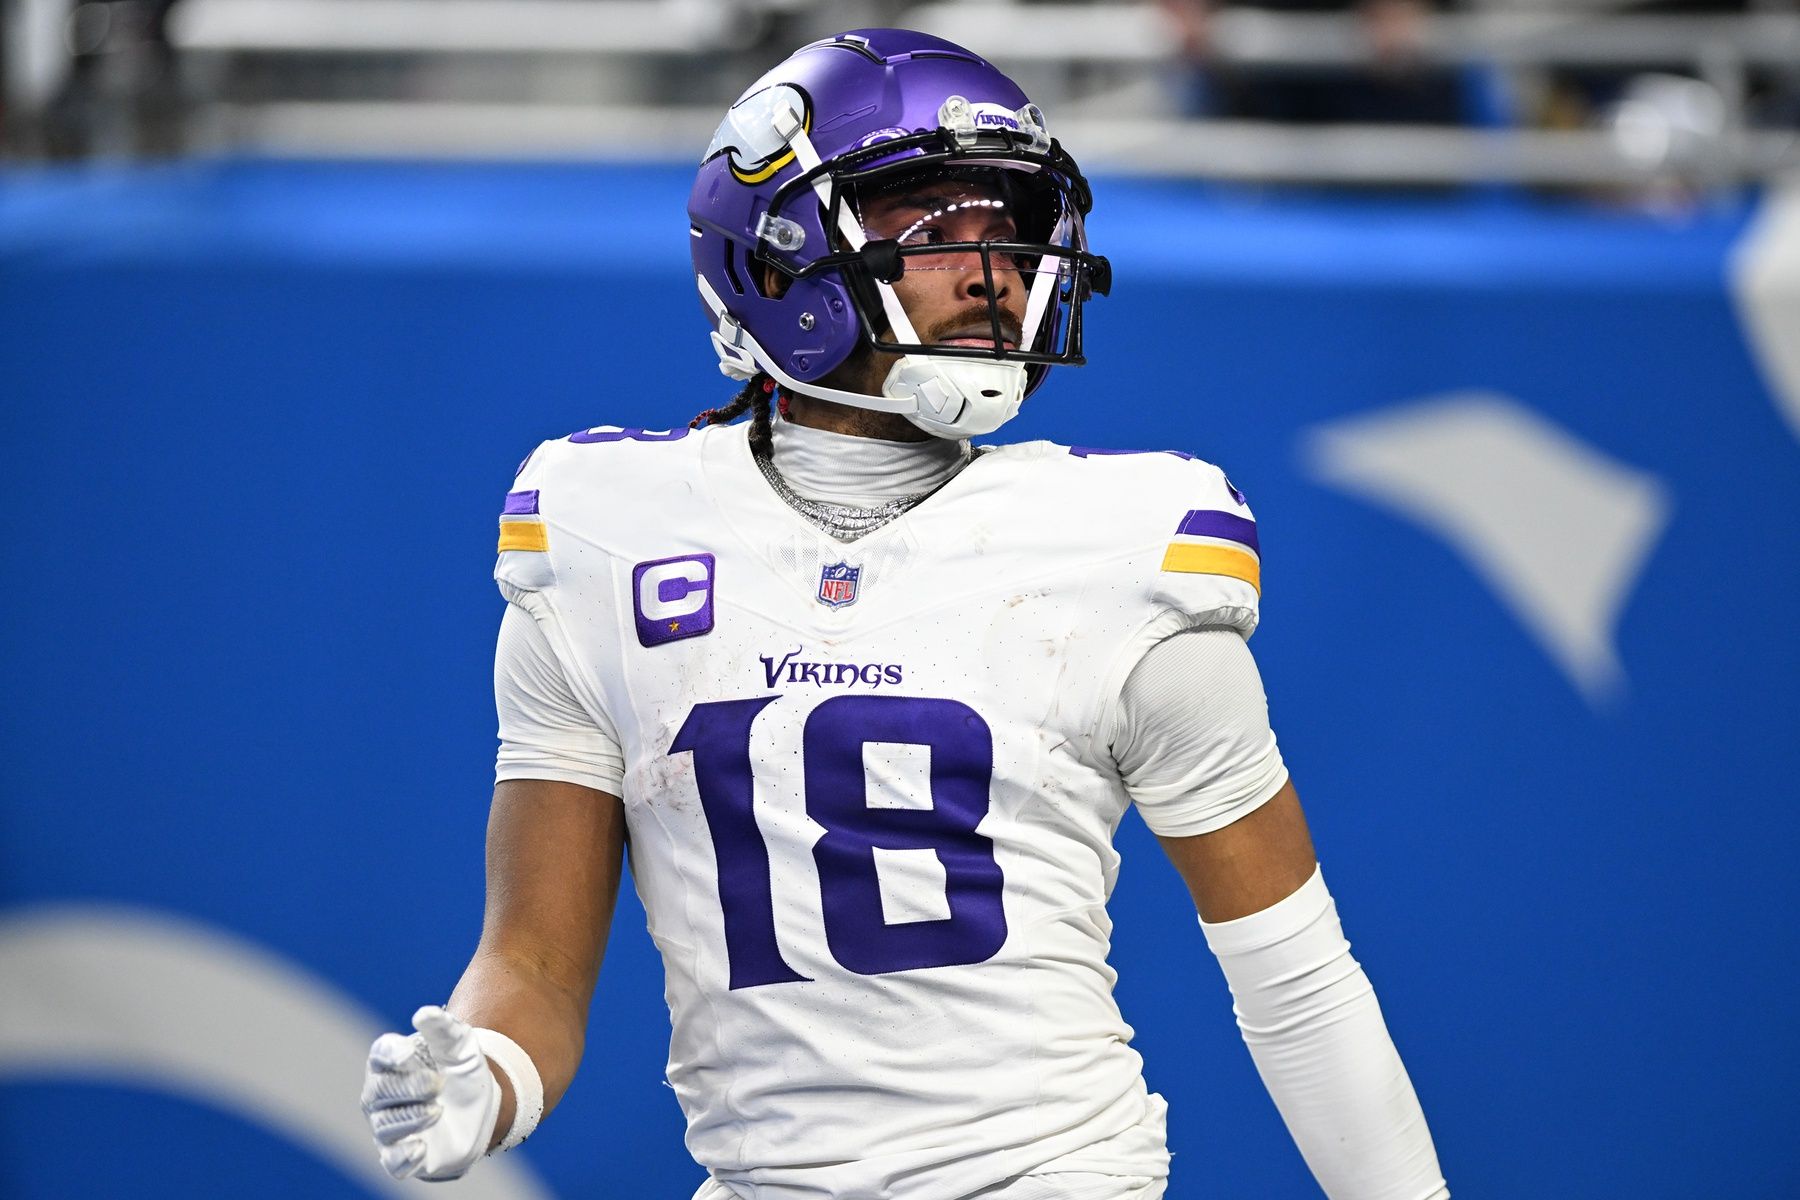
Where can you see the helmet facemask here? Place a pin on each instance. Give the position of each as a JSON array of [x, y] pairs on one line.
[[972, 222], [1003, 214]]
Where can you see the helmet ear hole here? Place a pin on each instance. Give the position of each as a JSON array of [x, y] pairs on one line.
[[770, 281], [731, 270], [765, 280]]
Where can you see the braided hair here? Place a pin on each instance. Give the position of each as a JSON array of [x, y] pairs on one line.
[[755, 399]]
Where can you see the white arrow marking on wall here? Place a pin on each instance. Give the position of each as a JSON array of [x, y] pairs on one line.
[[1558, 530], [1765, 281], [124, 995]]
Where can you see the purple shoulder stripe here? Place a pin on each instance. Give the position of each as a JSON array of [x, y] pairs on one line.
[[519, 504], [1096, 451], [615, 433], [1210, 522]]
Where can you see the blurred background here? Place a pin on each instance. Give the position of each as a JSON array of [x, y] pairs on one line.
[[1492, 308]]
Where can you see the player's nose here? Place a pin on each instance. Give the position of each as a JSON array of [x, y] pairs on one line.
[[976, 279]]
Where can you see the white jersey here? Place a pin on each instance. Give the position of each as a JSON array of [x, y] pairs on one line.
[[869, 797]]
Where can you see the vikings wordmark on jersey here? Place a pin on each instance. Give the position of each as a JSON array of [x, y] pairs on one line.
[[859, 829]]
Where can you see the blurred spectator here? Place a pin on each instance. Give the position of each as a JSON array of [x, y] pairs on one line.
[[1394, 85], [119, 93], [1703, 6], [1763, 96]]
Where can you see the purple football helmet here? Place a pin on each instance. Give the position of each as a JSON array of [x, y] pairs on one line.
[[780, 186]]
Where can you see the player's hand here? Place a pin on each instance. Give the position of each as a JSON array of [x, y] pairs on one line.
[[431, 1098]]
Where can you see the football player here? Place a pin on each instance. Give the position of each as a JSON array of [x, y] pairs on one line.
[[867, 703]]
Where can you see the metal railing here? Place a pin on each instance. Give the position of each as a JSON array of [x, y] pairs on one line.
[[649, 78], [1076, 34]]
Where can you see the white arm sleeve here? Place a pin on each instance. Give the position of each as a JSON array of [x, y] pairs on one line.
[[1315, 1031], [545, 732], [1191, 734]]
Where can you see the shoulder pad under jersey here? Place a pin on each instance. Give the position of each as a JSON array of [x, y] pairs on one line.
[[563, 479], [1203, 559]]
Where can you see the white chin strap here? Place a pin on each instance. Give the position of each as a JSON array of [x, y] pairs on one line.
[[946, 397], [956, 398]]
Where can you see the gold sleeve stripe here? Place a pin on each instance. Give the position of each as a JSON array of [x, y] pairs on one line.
[[1190, 559], [524, 535]]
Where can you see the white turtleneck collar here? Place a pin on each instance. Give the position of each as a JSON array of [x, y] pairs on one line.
[[840, 468]]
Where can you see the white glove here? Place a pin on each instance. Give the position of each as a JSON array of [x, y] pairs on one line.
[[430, 1098]]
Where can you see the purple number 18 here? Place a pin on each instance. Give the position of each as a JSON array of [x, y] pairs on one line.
[[962, 763]]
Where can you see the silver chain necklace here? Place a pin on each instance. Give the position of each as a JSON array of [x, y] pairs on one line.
[[845, 522]]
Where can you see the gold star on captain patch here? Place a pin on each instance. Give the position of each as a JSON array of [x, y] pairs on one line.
[[674, 625]]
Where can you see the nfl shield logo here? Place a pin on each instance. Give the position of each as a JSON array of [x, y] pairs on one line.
[[837, 584]]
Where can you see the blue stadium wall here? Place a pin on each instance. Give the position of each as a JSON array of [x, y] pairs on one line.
[[1527, 478]]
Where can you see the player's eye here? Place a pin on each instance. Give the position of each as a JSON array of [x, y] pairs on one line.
[[921, 234]]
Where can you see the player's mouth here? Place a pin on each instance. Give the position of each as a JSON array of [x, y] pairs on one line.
[[981, 339]]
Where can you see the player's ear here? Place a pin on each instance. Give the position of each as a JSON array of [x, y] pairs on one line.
[[775, 284]]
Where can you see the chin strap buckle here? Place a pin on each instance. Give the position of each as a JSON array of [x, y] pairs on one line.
[[729, 340], [735, 360]]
